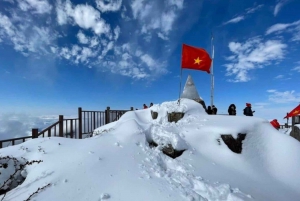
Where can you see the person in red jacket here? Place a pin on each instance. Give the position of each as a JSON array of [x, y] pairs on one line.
[[275, 124], [145, 106]]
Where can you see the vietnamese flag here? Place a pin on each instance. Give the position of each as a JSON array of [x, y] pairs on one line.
[[294, 112], [195, 58]]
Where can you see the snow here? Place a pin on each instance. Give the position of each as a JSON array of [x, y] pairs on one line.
[[118, 164]]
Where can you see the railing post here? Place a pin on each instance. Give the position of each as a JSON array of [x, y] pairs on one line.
[[94, 120], [107, 114], [131, 108], [80, 123], [61, 125], [34, 133]]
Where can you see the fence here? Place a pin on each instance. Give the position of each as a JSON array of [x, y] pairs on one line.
[[79, 128]]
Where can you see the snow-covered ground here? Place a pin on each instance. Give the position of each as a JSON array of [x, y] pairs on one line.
[[118, 164]]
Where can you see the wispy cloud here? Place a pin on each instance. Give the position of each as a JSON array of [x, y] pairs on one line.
[[283, 96], [243, 16], [293, 28], [26, 37], [297, 69], [98, 42], [235, 20], [279, 5], [252, 54], [35, 6], [279, 76]]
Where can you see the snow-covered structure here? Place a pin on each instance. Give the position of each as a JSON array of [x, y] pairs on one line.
[[190, 92]]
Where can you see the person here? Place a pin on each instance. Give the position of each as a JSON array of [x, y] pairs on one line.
[[209, 110], [248, 111], [214, 109], [275, 124], [232, 109], [151, 104], [145, 106]]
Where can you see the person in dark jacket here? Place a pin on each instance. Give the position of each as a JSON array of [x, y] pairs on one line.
[[248, 111], [214, 109], [151, 104], [232, 109], [209, 110]]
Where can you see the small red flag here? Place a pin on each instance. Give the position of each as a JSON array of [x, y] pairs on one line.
[[195, 58], [294, 112]]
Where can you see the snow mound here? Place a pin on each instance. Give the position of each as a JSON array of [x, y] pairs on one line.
[[118, 163]]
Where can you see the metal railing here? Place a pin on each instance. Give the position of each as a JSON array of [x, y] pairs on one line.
[[85, 124]]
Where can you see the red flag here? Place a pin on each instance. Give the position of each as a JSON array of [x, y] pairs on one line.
[[195, 58], [294, 112]]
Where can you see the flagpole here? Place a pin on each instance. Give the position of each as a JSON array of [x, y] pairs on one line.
[[180, 81], [212, 73]]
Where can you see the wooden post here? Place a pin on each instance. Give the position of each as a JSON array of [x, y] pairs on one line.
[[61, 125], [80, 123], [107, 114], [34, 133]]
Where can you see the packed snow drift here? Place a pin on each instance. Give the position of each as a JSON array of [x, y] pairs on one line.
[[118, 163]]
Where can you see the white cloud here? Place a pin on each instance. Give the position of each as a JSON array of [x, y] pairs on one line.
[[82, 38], [293, 28], [243, 16], [26, 37], [284, 96], [156, 16], [235, 20], [117, 32], [84, 16], [281, 27], [94, 42], [38, 6], [162, 36], [297, 69], [253, 9], [78, 54], [252, 54], [279, 76], [87, 17], [109, 5], [279, 5]]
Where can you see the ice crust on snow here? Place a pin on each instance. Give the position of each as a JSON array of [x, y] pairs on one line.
[[118, 164]]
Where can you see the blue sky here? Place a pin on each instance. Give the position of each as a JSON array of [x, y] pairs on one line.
[[58, 55]]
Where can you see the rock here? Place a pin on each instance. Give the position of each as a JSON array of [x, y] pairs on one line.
[[234, 145], [295, 133], [154, 115], [168, 150], [175, 116]]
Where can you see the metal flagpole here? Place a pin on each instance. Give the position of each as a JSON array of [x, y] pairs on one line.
[[180, 78], [212, 72]]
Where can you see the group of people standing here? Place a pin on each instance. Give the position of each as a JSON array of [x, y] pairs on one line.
[[212, 110], [145, 106], [231, 110]]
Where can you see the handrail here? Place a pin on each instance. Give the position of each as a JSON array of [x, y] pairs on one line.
[[86, 122], [49, 127], [18, 138]]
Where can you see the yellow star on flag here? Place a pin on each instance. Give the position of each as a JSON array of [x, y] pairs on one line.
[[296, 112], [197, 61]]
